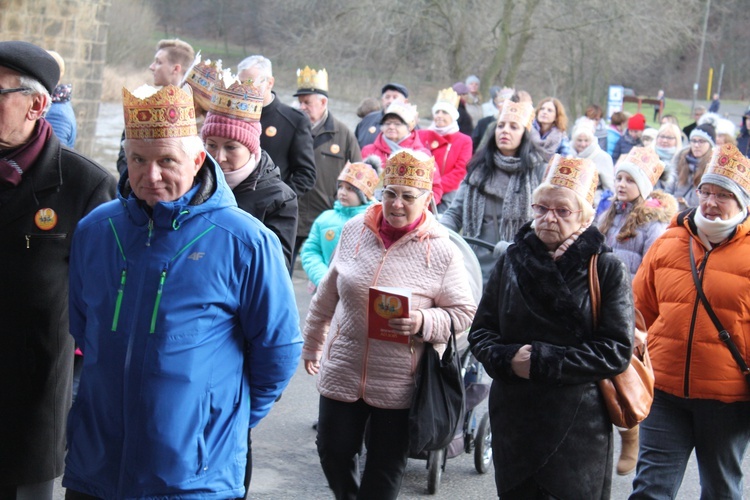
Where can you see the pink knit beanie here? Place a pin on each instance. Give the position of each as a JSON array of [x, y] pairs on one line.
[[244, 132]]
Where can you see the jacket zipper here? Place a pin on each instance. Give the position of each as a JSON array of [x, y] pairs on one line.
[[688, 355], [57, 236]]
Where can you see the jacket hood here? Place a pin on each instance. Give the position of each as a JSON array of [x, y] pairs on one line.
[[209, 192]]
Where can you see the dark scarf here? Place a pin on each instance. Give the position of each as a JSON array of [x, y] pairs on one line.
[[512, 184], [542, 281], [17, 161]]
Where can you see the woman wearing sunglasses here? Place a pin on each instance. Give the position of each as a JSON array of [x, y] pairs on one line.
[[535, 335], [395, 244], [494, 199], [701, 398]]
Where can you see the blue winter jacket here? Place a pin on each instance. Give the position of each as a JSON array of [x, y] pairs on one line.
[[169, 306], [324, 236]]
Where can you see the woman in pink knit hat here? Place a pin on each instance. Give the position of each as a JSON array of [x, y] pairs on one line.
[[231, 133]]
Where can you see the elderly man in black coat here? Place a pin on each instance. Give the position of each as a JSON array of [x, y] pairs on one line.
[[45, 188], [286, 136]]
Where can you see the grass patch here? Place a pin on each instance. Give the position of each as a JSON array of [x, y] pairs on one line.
[[671, 107]]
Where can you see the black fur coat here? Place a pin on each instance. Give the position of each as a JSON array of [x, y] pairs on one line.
[[553, 427]]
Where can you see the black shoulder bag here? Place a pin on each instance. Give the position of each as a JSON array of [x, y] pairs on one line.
[[723, 333], [437, 407]]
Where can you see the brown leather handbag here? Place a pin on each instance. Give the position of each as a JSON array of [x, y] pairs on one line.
[[628, 396]]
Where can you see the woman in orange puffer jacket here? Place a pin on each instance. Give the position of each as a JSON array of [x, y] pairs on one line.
[[702, 399]]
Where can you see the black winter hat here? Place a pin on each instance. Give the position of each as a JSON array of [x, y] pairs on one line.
[[397, 87], [30, 60]]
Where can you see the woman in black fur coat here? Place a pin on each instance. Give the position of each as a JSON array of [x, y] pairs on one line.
[[534, 334]]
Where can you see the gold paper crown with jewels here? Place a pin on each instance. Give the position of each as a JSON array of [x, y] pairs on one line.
[[238, 100], [448, 96], [202, 77], [405, 168], [362, 176], [577, 174], [158, 114], [518, 112], [310, 81], [646, 161], [729, 162]]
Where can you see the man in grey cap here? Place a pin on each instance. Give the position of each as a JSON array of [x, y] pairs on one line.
[[45, 188], [369, 127]]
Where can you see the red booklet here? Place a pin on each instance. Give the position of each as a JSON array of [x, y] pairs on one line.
[[386, 303]]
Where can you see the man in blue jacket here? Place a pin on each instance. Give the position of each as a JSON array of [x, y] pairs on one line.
[[185, 312]]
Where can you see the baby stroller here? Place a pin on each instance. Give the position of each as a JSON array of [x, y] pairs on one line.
[[475, 435]]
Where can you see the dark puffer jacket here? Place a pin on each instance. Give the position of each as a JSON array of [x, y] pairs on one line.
[[553, 427], [267, 198]]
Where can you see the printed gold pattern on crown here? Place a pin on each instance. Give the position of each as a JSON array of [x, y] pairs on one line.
[[450, 96], [729, 161], [311, 79], [202, 77], [405, 170], [362, 176], [647, 161], [242, 101], [518, 112], [577, 174], [168, 113]]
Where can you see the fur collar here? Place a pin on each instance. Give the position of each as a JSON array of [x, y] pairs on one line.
[[543, 282], [659, 207]]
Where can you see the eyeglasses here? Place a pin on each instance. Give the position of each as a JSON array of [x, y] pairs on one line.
[[17, 89], [392, 124], [406, 198], [562, 213], [698, 142], [719, 197]]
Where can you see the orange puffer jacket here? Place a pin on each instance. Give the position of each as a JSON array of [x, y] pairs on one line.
[[382, 372], [689, 359]]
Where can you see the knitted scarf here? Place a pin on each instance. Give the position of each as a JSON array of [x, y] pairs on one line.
[[547, 144], [511, 182], [15, 162]]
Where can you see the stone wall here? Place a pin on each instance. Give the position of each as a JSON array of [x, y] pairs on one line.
[[77, 29]]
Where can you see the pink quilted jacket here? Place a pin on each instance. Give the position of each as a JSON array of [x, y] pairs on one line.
[[382, 372]]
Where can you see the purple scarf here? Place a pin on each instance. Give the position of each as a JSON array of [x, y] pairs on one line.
[[15, 162]]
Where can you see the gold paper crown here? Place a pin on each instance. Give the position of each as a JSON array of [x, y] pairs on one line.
[[407, 112], [168, 112], [448, 96], [728, 161], [362, 176], [310, 81], [238, 100], [202, 77], [519, 112], [405, 169], [646, 160], [577, 174]]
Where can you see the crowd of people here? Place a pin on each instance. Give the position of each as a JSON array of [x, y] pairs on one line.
[[151, 320]]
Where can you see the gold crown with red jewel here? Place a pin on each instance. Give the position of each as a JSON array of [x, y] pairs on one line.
[[158, 114], [518, 112], [409, 168], [238, 100], [646, 161], [448, 96], [729, 162], [577, 174], [362, 176], [202, 77]]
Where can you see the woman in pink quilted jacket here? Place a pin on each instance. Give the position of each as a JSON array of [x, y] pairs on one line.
[[397, 244]]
